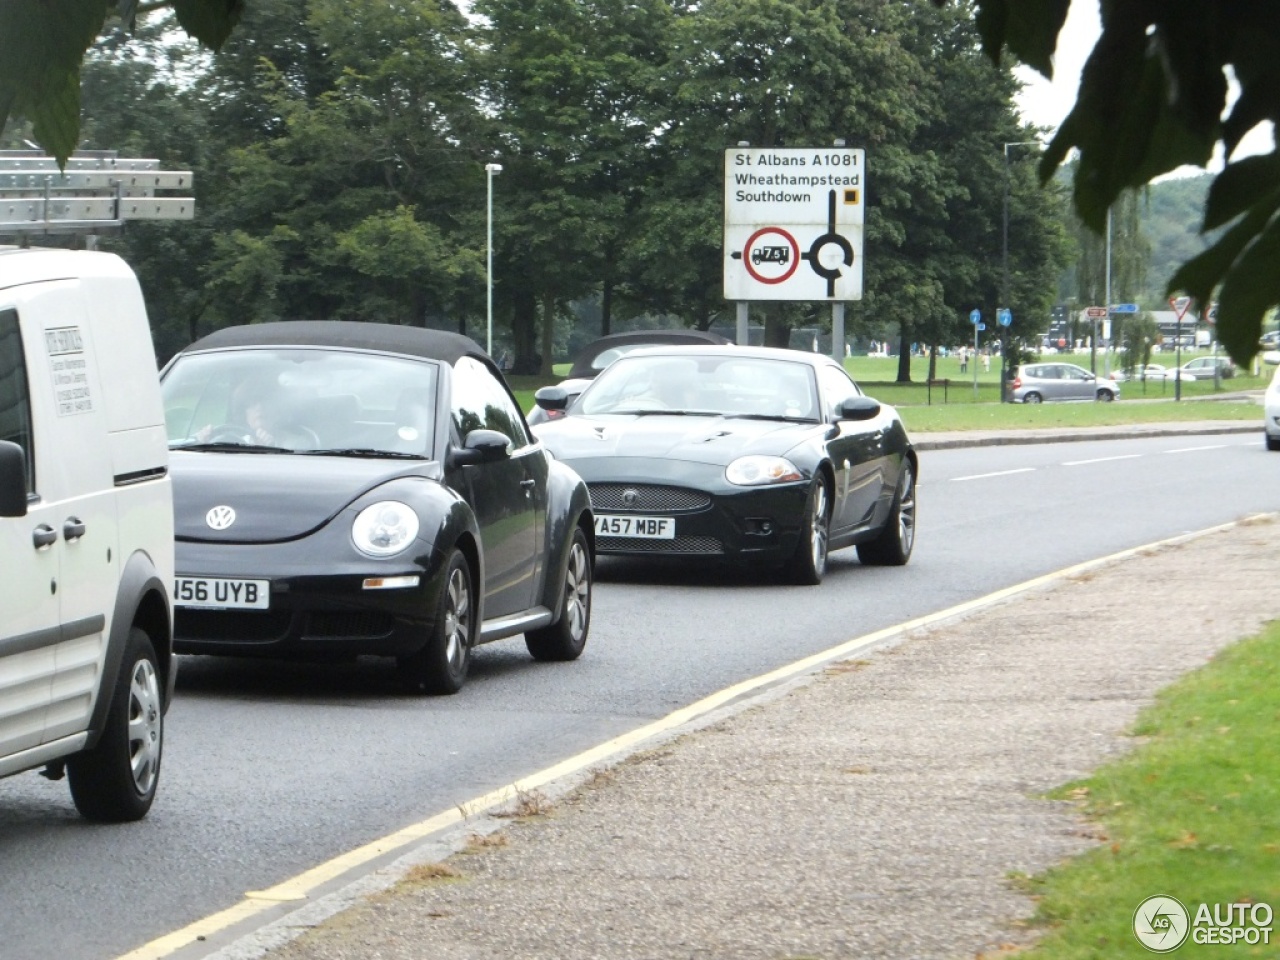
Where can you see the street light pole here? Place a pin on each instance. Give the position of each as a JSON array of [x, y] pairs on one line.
[[490, 170], [1004, 271]]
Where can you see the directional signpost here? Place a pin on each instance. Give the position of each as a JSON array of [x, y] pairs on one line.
[[793, 224]]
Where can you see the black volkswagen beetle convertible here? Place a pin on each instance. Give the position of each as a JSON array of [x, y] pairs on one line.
[[760, 456], [348, 488]]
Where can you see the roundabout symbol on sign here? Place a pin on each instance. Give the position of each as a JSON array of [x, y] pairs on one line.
[[770, 261], [844, 249]]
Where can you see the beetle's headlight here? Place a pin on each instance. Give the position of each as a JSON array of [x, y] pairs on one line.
[[755, 471], [384, 529]]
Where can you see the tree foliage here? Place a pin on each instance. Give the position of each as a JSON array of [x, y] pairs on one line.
[[1154, 96], [339, 149]]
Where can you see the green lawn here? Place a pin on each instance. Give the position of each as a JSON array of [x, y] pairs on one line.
[[952, 406], [1016, 416], [1194, 813]]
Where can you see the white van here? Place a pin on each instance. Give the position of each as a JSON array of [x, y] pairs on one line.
[[86, 531]]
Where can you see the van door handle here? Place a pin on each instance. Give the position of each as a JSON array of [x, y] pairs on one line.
[[44, 535], [73, 528]]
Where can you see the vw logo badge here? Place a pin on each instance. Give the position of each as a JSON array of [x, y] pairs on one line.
[[629, 497], [220, 517]]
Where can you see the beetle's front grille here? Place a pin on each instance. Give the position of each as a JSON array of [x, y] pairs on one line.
[[231, 626], [646, 498], [681, 545], [348, 625]]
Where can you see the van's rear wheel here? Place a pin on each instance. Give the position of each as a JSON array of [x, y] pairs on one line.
[[116, 781]]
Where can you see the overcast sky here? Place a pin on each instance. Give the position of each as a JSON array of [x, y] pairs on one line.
[[1047, 104]]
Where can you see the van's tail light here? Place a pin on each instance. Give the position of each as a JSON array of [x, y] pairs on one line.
[[1017, 382]]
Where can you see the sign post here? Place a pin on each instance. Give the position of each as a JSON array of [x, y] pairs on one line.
[[1180, 305], [1094, 314], [1211, 318], [1005, 317], [793, 226], [975, 317]]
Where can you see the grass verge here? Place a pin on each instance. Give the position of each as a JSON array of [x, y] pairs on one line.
[[1193, 813], [1018, 416]]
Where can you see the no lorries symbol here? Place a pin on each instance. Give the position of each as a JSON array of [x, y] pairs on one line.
[[771, 255]]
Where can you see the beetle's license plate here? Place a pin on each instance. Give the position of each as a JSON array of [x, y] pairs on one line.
[[217, 592], [645, 528]]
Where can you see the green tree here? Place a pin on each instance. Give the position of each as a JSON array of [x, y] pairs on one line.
[[343, 165], [1159, 73], [567, 84]]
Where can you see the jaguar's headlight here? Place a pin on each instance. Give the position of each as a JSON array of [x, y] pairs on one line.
[[384, 529], [755, 471]]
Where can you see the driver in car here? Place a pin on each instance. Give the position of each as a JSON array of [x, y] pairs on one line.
[[255, 410]]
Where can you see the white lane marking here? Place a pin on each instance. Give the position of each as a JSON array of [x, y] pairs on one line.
[[1078, 463], [1001, 473], [304, 885], [1217, 446]]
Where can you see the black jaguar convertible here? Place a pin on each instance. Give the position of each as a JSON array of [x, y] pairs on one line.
[[359, 488], [746, 454]]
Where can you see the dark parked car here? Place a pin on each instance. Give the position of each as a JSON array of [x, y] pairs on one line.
[[598, 354], [359, 488], [760, 456]]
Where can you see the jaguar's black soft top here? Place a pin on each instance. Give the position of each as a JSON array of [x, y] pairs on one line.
[[346, 334]]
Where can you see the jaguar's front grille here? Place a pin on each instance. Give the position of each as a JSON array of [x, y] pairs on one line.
[[647, 498], [681, 545]]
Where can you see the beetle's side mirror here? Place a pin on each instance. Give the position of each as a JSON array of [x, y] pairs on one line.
[[13, 480], [552, 398], [859, 408], [483, 446]]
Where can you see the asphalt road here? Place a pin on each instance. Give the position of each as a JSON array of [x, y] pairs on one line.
[[271, 769]]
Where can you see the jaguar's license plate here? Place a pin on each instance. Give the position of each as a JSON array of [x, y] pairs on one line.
[[645, 528], [222, 593]]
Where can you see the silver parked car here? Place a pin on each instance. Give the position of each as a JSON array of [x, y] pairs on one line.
[[1040, 382], [1202, 368]]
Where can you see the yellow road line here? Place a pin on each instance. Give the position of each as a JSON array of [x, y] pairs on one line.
[[301, 886]]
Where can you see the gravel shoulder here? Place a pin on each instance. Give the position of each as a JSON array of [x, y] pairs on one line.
[[875, 809]]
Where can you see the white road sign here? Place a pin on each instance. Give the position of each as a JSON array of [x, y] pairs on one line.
[[793, 220]]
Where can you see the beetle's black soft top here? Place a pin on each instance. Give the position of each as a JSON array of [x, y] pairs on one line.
[[346, 334]]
